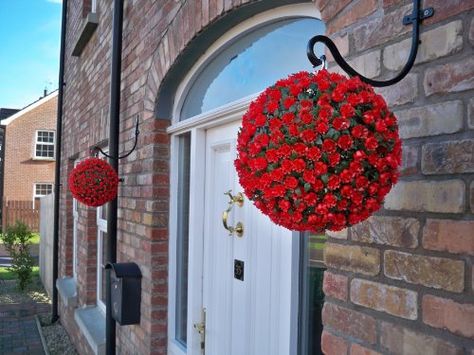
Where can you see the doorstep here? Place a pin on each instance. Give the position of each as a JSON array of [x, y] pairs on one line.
[[91, 322]]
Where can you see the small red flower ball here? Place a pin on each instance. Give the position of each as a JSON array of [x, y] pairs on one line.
[[318, 151], [93, 182]]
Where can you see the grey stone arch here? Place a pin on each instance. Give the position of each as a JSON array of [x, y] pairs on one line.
[[172, 61]]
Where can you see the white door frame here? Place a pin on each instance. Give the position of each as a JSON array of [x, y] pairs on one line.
[[229, 113], [197, 127]]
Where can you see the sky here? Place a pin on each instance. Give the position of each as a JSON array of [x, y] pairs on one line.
[[29, 50]]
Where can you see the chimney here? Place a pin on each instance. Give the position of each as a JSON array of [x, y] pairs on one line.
[[45, 92]]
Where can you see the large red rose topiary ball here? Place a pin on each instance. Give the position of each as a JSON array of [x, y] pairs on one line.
[[93, 182], [318, 151]]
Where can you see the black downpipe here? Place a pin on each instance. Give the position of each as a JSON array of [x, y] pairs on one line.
[[57, 178], [114, 127]]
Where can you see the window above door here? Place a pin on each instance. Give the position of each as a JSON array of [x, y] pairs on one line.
[[249, 64]]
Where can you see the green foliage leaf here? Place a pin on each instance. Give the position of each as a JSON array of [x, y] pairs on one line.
[[17, 240]]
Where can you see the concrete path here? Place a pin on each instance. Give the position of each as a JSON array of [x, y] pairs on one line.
[[18, 331]]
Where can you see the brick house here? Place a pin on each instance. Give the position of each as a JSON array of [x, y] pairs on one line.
[[29, 150], [400, 283]]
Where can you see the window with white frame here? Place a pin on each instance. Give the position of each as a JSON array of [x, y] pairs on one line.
[[102, 240], [44, 144], [102, 243], [42, 189]]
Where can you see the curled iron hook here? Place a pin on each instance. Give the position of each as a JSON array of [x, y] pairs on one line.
[[415, 18], [97, 149]]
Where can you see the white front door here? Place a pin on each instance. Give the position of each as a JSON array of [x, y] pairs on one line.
[[250, 315]]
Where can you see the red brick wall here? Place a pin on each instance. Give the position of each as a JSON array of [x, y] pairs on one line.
[[21, 170], [432, 189], [402, 282]]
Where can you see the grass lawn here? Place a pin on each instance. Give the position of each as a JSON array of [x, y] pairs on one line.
[[34, 240], [6, 274]]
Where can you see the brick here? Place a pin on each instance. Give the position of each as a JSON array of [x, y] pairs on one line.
[[434, 272], [367, 64], [352, 258], [458, 318], [409, 160], [357, 349], [437, 43], [380, 30], [335, 285], [471, 32], [470, 114], [321, 4], [342, 234], [450, 77], [472, 196], [389, 299], [350, 322], [447, 235], [431, 120], [402, 92], [333, 345], [342, 44], [446, 9], [450, 157], [357, 10], [399, 340], [427, 196], [332, 8], [395, 231], [390, 3]]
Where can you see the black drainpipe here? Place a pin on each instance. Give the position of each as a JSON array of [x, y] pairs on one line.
[[57, 179], [114, 127]]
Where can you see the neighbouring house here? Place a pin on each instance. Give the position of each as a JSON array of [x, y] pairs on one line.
[[29, 149], [400, 283]]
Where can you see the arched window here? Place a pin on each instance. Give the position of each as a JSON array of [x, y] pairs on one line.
[[250, 63]]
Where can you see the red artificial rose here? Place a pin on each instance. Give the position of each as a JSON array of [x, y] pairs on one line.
[[347, 111], [329, 145], [344, 142], [308, 136], [340, 123], [291, 182], [327, 157], [334, 159], [289, 101]]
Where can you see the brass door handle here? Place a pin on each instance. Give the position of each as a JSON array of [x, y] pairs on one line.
[[239, 227]]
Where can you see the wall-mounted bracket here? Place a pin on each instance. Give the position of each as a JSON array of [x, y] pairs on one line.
[[95, 150], [415, 18], [422, 14]]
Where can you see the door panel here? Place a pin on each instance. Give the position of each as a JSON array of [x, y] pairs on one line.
[[250, 316]]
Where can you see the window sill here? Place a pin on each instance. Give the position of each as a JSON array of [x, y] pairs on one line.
[[91, 322], [43, 159], [88, 29], [67, 290]]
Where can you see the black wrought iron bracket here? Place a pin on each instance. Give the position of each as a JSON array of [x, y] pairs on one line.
[[95, 150], [415, 18]]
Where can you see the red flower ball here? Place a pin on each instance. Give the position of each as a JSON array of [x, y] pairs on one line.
[[318, 151], [93, 182]]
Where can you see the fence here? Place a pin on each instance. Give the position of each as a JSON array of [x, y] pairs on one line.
[[24, 211], [46, 242]]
